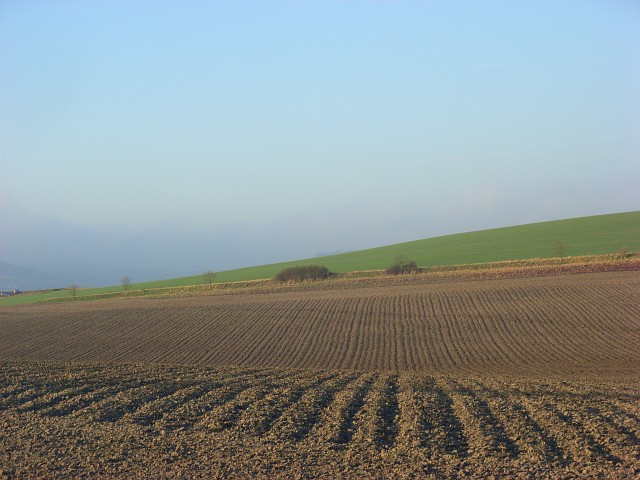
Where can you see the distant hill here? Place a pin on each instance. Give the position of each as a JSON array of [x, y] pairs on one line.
[[580, 236], [22, 278], [593, 235]]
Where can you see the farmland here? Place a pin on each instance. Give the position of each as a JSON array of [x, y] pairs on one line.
[[98, 420], [525, 325], [425, 376]]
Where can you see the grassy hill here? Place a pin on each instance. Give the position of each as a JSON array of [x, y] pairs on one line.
[[581, 236]]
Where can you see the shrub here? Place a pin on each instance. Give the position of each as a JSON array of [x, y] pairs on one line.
[[302, 273], [402, 265]]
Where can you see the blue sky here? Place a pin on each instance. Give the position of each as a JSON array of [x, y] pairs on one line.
[[166, 138]]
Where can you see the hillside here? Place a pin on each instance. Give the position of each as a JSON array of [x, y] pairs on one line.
[[582, 236], [417, 376], [592, 235]]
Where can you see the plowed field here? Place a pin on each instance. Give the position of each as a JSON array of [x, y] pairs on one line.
[[586, 324], [61, 420], [519, 378]]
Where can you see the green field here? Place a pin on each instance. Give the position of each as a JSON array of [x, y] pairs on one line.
[[592, 235]]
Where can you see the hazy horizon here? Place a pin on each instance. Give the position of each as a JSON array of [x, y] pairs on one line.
[[162, 139]]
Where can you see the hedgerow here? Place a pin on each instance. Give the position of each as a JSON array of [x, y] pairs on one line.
[[402, 265], [302, 273]]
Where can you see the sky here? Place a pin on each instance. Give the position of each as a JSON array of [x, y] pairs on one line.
[[164, 138]]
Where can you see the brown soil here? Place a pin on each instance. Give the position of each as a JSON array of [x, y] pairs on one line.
[[582, 325], [528, 377], [135, 421]]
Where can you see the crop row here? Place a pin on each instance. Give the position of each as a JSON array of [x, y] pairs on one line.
[[541, 325], [453, 419]]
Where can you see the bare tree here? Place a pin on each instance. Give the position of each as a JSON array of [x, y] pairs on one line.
[[209, 276], [126, 283], [73, 290], [561, 250], [623, 252]]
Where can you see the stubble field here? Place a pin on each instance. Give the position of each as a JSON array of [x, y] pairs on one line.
[[520, 377]]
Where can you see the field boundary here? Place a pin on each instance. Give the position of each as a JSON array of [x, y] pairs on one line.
[[494, 270]]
